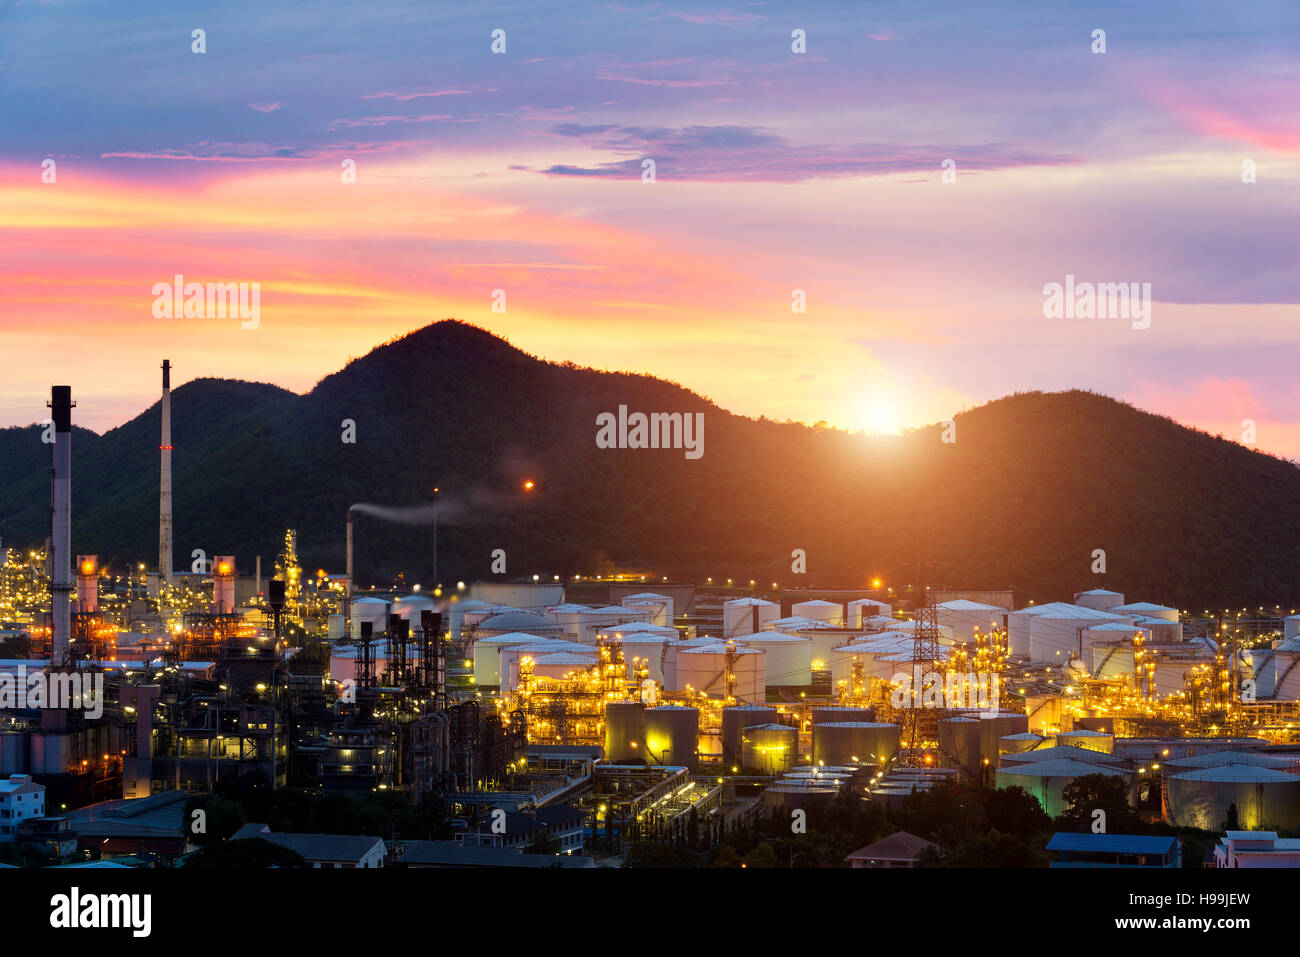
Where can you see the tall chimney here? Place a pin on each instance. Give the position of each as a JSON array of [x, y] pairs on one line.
[[61, 583], [165, 480], [347, 587]]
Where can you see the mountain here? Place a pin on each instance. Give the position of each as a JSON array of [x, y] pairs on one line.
[[1033, 484]]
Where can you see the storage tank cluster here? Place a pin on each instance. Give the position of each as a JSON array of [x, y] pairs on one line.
[[854, 742]]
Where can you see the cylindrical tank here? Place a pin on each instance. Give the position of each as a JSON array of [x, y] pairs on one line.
[[410, 606], [1266, 799], [660, 607], [1147, 609], [959, 744], [337, 626], [650, 649], [487, 655], [769, 748], [592, 621], [854, 742], [561, 663], [1088, 740], [789, 657], [13, 753], [51, 752], [672, 736], [964, 616], [1099, 599], [995, 725], [818, 610], [1047, 780], [1017, 743], [704, 668], [735, 719], [861, 609], [744, 616], [831, 713], [624, 732], [373, 610], [799, 796]]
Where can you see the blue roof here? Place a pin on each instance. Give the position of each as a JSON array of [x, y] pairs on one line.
[[1112, 843]]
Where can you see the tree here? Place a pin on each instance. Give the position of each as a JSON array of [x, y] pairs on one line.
[[1015, 811], [246, 853], [543, 842], [1105, 792], [1233, 823], [761, 856]]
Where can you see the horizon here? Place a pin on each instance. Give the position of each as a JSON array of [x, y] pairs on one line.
[[180, 382], [917, 185]]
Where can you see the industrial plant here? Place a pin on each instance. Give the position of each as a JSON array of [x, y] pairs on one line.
[[606, 712]]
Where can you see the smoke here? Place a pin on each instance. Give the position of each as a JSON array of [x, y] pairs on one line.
[[404, 515]]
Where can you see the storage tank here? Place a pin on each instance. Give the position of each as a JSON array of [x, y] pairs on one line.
[[487, 655], [769, 748], [624, 732], [790, 797], [13, 753], [593, 620], [409, 607], [561, 663], [1056, 631], [672, 736], [510, 622], [1146, 609], [995, 725], [1162, 632], [1061, 752], [735, 718], [818, 610], [959, 744], [660, 607], [963, 617], [1099, 599], [1088, 740], [566, 617], [1214, 759], [1266, 799], [854, 742], [1290, 626], [744, 616], [648, 648], [703, 668], [1046, 780], [789, 657], [1017, 743], [51, 752], [831, 713], [373, 610], [863, 609], [337, 628]]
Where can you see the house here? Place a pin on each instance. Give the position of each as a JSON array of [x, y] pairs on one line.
[[127, 826], [1115, 850], [515, 830], [1256, 849], [322, 850], [21, 798], [426, 854], [899, 849]]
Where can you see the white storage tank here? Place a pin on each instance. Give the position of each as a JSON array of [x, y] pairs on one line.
[[561, 663], [1162, 631], [373, 610], [1290, 626], [703, 668], [510, 622], [672, 736], [1047, 780], [1099, 599], [1056, 632], [963, 617], [1062, 752], [1146, 609], [566, 618], [864, 609], [458, 609], [337, 628], [769, 748], [649, 649], [624, 732], [819, 610], [1017, 743], [1266, 799], [594, 620], [735, 718], [854, 742], [743, 616], [789, 657], [660, 607], [1088, 740], [487, 655]]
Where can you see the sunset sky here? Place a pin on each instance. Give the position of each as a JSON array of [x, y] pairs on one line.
[[775, 171]]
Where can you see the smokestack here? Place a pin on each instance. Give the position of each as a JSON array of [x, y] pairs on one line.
[[223, 584], [87, 583], [165, 479], [61, 584], [347, 588]]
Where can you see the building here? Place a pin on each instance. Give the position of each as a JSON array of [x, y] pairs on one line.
[[129, 826], [425, 854], [518, 829], [1256, 849], [1115, 850], [322, 850], [899, 849], [21, 798]]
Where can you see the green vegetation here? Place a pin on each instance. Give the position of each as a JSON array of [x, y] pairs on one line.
[[452, 403]]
